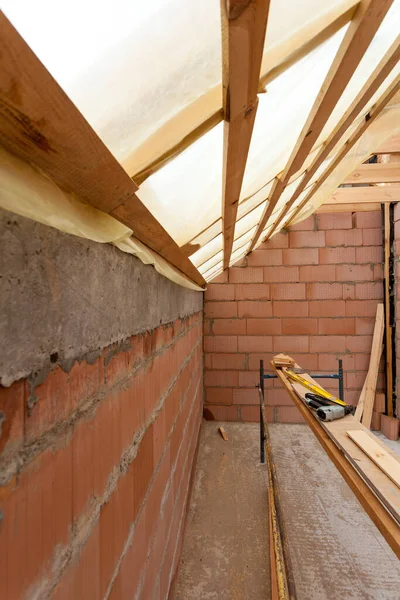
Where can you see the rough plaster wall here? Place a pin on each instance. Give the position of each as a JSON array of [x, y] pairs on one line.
[[66, 295]]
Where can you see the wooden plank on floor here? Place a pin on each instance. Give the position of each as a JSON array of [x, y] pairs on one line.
[[385, 461], [41, 125], [372, 376], [375, 491]]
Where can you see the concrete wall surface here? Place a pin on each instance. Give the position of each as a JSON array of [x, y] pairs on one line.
[[311, 293], [98, 437], [65, 295]]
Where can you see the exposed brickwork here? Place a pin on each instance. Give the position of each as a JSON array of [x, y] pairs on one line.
[[95, 475], [311, 292]]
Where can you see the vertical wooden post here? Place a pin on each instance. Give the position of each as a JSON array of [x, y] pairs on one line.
[[388, 328]]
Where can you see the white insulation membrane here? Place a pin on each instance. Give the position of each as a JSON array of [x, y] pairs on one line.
[[147, 74]]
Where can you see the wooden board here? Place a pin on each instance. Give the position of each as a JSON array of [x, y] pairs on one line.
[[243, 32], [385, 461], [40, 124], [375, 173], [372, 376], [360, 404], [388, 328], [360, 195], [386, 491], [383, 101], [272, 562], [373, 489], [371, 86], [391, 145], [380, 402], [342, 208]]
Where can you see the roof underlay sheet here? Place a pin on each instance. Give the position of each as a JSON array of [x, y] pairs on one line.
[[148, 78]]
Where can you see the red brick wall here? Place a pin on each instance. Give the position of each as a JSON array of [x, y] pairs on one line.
[[95, 476], [311, 293]]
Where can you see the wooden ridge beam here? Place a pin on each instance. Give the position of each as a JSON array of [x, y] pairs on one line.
[[366, 21], [362, 127], [41, 125], [375, 173], [243, 33]]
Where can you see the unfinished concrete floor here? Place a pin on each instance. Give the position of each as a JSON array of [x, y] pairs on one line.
[[336, 551]]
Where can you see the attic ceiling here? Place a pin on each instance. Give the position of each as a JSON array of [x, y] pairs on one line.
[[234, 120]]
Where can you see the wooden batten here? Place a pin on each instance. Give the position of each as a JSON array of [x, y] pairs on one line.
[[243, 34]]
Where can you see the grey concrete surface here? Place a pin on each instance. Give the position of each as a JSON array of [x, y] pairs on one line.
[[335, 549], [66, 295], [225, 553]]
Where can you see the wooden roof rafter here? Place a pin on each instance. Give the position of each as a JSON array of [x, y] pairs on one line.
[[41, 125], [243, 32], [363, 27], [310, 39], [393, 89], [373, 83]]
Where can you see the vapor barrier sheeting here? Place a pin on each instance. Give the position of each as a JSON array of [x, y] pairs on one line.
[[146, 75]]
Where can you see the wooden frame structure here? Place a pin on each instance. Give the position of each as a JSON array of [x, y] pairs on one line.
[[302, 44], [371, 86], [363, 27], [378, 513], [40, 124]]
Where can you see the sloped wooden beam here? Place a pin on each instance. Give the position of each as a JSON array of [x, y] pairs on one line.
[[386, 97], [375, 173], [40, 124], [367, 19], [244, 23], [303, 42], [373, 83]]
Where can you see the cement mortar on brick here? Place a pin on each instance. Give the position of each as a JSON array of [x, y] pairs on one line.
[[69, 297]]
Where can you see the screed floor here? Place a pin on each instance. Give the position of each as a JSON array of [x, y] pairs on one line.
[[336, 551]]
